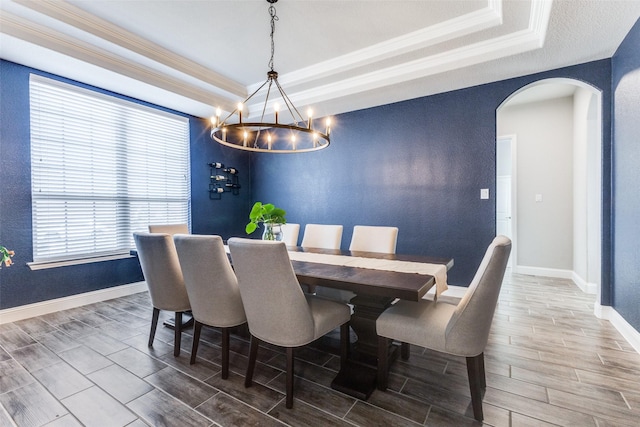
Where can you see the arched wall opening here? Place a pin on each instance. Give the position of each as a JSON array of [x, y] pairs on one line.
[[555, 129]]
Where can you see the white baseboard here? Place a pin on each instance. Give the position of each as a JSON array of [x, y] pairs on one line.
[[626, 330], [586, 287], [544, 272], [14, 314]]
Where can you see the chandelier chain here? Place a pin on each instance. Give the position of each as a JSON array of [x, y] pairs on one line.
[[274, 18]]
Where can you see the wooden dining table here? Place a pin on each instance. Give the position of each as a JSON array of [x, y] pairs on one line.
[[375, 291]]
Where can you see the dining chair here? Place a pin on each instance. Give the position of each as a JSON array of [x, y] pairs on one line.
[[212, 288], [322, 236], [367, 238], [278, 312], [460, 330], [290, 232], [162, 273], [169, 228]]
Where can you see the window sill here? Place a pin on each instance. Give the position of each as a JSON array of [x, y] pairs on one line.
[[54, 264]]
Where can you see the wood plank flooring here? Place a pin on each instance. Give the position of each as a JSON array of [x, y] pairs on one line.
[[549, 361]]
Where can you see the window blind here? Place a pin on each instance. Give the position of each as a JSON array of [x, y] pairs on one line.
[[102, 168]]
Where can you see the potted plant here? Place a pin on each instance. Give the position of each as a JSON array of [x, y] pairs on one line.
[[5, 256], [270, 216]]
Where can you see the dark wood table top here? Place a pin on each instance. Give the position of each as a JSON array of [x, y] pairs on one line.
[[364, 281]]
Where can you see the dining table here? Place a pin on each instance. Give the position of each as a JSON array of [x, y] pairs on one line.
[[377, 280]]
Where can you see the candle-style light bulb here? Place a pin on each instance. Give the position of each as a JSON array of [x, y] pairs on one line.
[[315, 139], [276, 110], [218, 114], [244, 141], [269, 141], [240, 111], [224, 134], [293, 141], [328, 124], [309, 114]]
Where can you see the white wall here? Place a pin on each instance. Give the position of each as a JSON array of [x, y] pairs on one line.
[[544, 166]]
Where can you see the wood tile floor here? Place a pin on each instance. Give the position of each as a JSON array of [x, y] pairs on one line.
[[549, 361]]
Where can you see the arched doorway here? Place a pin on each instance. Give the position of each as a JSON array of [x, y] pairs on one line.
[[556, 129]]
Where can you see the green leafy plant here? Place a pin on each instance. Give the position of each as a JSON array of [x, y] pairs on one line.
[[5, 256], [267, 214]]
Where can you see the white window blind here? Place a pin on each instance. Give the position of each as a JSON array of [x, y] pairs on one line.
[[101, 169]]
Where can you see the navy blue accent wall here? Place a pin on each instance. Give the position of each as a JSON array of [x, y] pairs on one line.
[[418, 165], [19, 285], [626, 160]]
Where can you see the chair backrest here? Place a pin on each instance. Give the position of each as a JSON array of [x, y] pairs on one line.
[[468, 329], [169, 228], [161, 269], [322, 236], [277, 310], [210, 281], [374, 239], [290, 232]]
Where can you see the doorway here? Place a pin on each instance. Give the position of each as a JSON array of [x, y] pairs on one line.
[[577, 214]]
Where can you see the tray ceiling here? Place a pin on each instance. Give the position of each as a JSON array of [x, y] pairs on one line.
[[339, 56]]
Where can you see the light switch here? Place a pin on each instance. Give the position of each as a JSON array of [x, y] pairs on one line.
[[538, 197], [484, 193]]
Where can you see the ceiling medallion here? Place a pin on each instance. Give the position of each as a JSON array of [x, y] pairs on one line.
[[295, 135]]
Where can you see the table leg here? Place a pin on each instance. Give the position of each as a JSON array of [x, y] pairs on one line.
[[358, 378]]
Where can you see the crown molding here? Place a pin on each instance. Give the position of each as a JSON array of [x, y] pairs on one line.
[[80, 19], [46, 37], [460, 26], [487, 50]]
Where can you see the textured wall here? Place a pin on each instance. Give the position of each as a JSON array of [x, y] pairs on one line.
[[18, 284], [626, 156], [418, 165]]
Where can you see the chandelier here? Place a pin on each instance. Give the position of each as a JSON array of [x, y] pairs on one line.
[[294, 135]]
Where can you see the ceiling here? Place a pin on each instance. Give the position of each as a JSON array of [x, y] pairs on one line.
[[337, 56]]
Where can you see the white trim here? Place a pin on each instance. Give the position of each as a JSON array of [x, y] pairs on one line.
[[542, 271], [626, 330], [586, 287], [14, 314], [53, 264]]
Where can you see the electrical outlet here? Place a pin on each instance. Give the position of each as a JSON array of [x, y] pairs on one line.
[[484, 193]]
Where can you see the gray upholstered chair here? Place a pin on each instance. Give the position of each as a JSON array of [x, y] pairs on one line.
[[212, 288], [461, 330], [290, 233], [161, 269], [322, 236], [278, 312], [369, 238], [169, 228]]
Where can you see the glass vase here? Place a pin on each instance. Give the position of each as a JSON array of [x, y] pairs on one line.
[[272, 232]]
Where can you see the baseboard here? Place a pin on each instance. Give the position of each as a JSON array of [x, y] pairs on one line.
[[586, 287], [14, 314], [626, 330], [544, 272]]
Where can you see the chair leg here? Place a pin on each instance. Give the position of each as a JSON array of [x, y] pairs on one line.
[[344, 345], [483, 378], [197, 328], [253, 353], [225, 353], [474, 367], [177, 334], [405, 350], [383, 363], [154, 325], [289, 400]]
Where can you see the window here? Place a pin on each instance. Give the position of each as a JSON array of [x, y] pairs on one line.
[[101, 169]]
